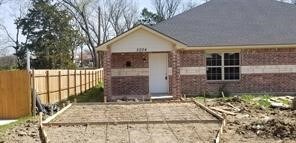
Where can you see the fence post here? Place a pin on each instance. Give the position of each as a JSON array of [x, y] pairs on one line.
[[68, 83], [92, 78], [60, 87], [96, 78], [80, 81], [91, 72], [101, 75], [85, 88], [90, 84], [75, 83], [47, 87], [33, 93], [89, 79]]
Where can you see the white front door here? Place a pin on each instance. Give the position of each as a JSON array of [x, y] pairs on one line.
[[158, 73]]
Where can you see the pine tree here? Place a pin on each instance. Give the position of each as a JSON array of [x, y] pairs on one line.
[[150, 18], [51, 36]]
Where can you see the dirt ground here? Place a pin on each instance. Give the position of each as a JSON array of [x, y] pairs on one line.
[[24, 133], [250, 124], [134, 112], [255, 124], [135, 132]]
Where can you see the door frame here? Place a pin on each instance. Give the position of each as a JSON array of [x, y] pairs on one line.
[[167, 70]]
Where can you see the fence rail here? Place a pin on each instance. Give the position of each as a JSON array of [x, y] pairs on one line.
[[53, 86]]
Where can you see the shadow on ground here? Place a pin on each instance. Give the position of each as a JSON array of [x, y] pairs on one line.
[[92, 95]]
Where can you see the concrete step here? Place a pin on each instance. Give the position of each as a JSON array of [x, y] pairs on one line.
[[161, 97]]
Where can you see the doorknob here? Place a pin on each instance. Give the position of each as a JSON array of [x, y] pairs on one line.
[[166, 77]]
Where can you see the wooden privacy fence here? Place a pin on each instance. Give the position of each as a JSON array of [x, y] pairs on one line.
[[15, 94], [53, 86]]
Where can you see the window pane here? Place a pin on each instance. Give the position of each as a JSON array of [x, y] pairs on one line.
[[231, 73], [214, 59], [214, 73], [231, 59]]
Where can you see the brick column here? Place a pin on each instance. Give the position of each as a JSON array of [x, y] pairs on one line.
[[107, 74], [176, 77]]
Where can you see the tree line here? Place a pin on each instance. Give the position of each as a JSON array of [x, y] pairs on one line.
[[53, 29]]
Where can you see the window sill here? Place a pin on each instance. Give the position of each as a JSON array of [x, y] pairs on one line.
[[222, 81]]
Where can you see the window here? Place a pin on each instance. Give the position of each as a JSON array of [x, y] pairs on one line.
[[223, 66]]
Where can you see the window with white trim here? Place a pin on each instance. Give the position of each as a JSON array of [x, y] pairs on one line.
[[223, 66]]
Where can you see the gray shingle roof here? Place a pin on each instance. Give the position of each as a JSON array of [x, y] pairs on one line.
[[234, 22]]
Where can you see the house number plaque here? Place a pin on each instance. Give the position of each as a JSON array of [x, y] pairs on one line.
[[141, 50]]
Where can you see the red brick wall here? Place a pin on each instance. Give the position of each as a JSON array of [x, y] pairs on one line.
[[130, 85], [249, 83], [285, 56], [192, 84], [192, 58], [107, 74], [138, 60], [253, 83], [134, 86], [196, 84]]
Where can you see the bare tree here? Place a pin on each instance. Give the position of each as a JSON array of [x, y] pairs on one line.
[[16, 39], [98, 19], [105, 26], [79, 10], [189, 5], [166, 8], [116, 10], [123, 15], [15, 43], [130, 16], [3, 52], [2, 2]]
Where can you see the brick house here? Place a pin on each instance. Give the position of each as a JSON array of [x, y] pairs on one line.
[[239, 46]]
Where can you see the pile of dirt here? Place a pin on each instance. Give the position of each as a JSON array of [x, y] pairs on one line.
[[25, 133], [271, 128]]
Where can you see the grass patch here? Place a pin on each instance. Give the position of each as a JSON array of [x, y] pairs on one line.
[[19, 121], [200, 98], [248, 98], [258, 101], [94, 94], [263, 103], [285, 101]]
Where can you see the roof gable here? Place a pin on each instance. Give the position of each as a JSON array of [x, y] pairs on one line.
[[142, 40], [130, 33]]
